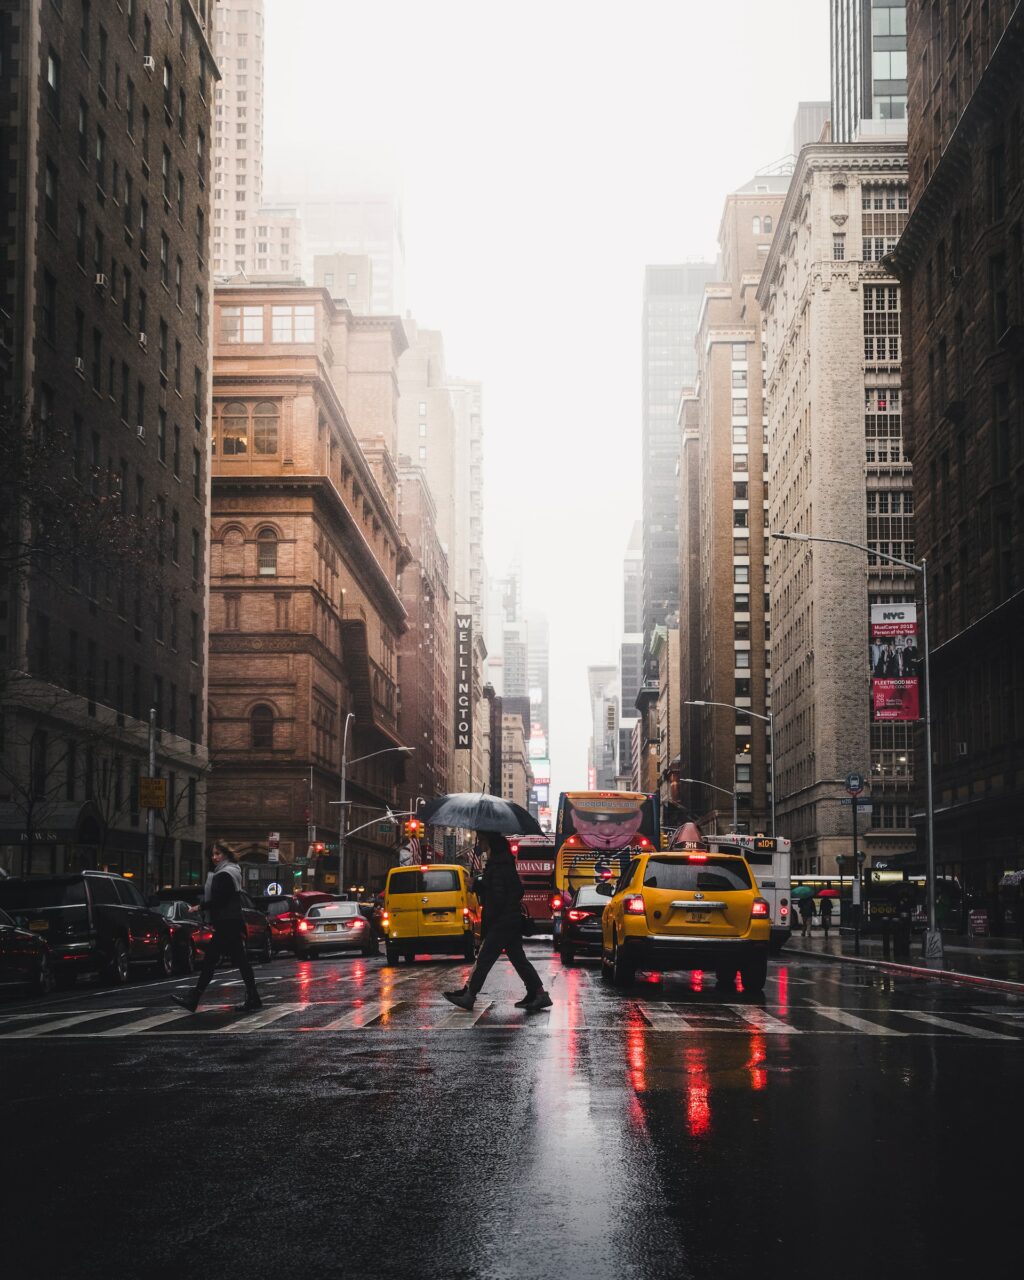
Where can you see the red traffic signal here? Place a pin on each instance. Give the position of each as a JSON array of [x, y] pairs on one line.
[[319, 846], [414, 828]]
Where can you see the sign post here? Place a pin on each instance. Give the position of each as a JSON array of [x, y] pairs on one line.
[[854, 786]]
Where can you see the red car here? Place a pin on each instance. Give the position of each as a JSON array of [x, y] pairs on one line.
[[284, 911]]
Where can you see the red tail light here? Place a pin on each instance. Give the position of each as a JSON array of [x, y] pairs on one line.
[[644, 843], [576, 916], [784, 912], [384, 918], [634, 905], [465, 913], [304, 926], [697, 857], [556, 902], [759, 909]]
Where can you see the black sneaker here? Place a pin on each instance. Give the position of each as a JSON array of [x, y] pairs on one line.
[[461, 999], [526, 1001], [187, 1002], [250, 1006], [540, 1000]]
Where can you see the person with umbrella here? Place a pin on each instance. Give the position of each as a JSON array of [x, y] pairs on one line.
[[825, 899], [501, 892]]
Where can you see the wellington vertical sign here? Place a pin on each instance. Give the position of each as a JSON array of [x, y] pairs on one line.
[[463, 683]]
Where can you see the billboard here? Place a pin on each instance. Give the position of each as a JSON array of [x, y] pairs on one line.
[[895, 663], [538, 746], [541, 771], [464, 683]]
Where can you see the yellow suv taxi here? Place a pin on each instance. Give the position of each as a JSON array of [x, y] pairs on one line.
[[429, 910], [691, 910]]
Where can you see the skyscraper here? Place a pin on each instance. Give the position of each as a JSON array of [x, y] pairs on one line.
[[671, 303], [631, 650], [869, 66], [357, 223]]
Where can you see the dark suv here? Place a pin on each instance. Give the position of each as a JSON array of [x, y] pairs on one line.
[[94, 922]]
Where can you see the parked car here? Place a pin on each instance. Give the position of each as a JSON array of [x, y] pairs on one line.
[[93, 922], [283, 912], [189, 932], [258, 941], [335, 926], [580, 931], [24, 958]]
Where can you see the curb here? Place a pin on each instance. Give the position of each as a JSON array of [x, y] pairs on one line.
[[918, 971]]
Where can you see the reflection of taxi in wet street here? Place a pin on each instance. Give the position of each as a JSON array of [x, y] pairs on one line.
[[692, 910]]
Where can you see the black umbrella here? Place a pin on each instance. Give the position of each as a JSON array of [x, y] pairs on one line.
[[476, 811]]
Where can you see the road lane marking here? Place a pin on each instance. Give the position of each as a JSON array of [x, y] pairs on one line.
[[63, 1023], [147, 1024], [363, 1016], [257, 1021], [947, 1024], [663, 1019], [763, 1020], [854, 1023], [462, 1017]]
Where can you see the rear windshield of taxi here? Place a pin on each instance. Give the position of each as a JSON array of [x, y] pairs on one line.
[[718, 874], [424, 882]]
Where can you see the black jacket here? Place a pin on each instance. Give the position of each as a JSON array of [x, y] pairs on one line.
[[501, 890], [224, 904]]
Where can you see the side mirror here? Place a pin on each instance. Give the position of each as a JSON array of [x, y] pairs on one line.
[[606, 889]]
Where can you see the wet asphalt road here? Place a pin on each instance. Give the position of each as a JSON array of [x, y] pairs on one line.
[[848, 1123]]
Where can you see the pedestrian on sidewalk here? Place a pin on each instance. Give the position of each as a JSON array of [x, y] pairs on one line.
[[826, 915], [501, 891], [222, 902], [807, 914]]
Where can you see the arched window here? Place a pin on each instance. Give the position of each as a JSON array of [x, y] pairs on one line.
[[757, 226], [767, 226], [266, 553], [261, 727], [265, 419], [234, 429]]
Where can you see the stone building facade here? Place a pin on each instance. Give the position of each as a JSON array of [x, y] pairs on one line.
[[734, 665], [306, 551], [838, 469], [961, 258], [106, 301]]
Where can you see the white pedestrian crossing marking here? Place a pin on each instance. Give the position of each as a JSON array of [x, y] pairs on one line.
[[64, 1024], [462, 1017], [763, 1020], [663, 1018], [947, 1024], [362, 1016], [856, 1024], [147, 1024], [257, 1021]]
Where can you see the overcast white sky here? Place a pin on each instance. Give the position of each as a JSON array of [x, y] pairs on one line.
[[546, 150]]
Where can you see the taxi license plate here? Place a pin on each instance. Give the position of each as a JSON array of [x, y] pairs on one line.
[[440, 915], [698, 917], [38, 926], [330, 928]]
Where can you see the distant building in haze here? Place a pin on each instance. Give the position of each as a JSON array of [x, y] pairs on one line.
[[869, 68]]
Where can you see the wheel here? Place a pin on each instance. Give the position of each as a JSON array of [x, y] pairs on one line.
[[754, 975], [115, 971], [164, 966], [606, 966], [623, 973], [266, 952], [410, 957], [43, 983], [187, 962], [64, 979], [390, 954], [567, 954]]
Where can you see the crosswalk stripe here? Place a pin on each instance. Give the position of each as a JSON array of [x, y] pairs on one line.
[[663, 1019], [462, 1017], [363, 1016], [947, 1024], [147, 1024], [763, 1020], [856, 1024], [257, 1021], [62, 1024]]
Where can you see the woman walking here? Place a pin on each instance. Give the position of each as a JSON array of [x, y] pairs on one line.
[[222, 901], [501, 891]]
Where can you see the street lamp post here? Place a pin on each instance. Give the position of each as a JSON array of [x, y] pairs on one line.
[[755, 715], [711, 786], [342, 801], [933, 938]]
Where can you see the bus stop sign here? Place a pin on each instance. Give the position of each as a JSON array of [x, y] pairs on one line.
[[854, 783]]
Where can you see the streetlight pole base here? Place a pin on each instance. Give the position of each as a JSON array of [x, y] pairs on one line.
[[933, 952]]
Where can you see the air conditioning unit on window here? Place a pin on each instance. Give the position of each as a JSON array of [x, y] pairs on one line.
[[961, 748], [148, 63], [143, 340], [79, 365], [140, 432], [100, 280]]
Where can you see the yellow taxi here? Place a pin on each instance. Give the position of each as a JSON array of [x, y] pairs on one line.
[[429, 910], [689, 910]]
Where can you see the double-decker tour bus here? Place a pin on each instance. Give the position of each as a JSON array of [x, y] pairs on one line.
[[771, 860], [596, 831], [535, 861]]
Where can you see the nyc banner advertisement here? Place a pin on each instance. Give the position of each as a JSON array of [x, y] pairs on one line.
[[895, 662]]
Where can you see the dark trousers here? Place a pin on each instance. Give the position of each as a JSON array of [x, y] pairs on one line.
[[228, 940], [504, 935]]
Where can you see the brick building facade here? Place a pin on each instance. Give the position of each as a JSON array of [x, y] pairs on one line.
[[962, 260]]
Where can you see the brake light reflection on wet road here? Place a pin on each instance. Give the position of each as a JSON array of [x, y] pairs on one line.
[[755, 1063], [698, 1092]]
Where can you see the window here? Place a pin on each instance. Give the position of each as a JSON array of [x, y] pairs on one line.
[[740, 518], [838, 247], [292, 324], [49, 307], [266, 416], [101, 157], [199, 309], [739, 377], [83, 131], [882, 323], [741, 546], [261, 727], [165, 259], [741, 573], [883, 431], [739, 435], [739, 351], [739, 407], [266, 553], [53, 84], [241, 324], [743, 772], [767, 226], [51, 191], [197, 474], [756, 227], [739, 462], [739, 490]]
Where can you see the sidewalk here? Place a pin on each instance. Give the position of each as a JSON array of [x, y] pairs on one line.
[[991, 962]]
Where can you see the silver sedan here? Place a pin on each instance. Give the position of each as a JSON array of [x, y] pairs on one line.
[[334, 926]]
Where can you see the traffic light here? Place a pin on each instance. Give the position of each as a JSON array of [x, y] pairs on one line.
[[414, 829], [318, 848]]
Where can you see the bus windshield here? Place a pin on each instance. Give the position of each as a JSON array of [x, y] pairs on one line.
[[595, 831]]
